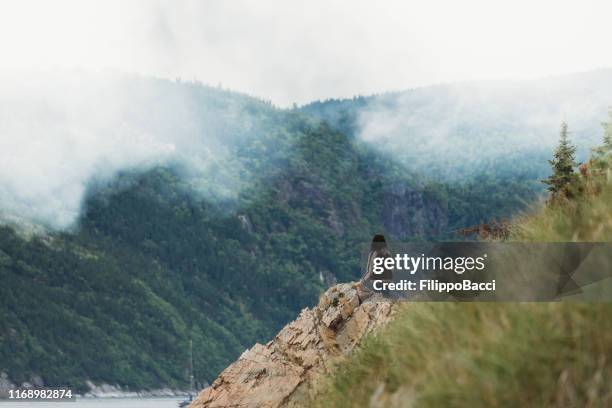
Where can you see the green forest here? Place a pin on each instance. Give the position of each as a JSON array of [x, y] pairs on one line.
[[160, 256]]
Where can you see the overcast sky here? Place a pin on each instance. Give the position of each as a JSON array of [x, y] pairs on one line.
[[296, 51]]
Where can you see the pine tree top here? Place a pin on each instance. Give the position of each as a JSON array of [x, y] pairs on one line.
[[607, 142], [562, 163]]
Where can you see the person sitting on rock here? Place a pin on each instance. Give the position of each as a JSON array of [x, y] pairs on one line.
[[378, 249]]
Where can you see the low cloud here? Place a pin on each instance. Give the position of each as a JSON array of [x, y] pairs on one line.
[[297, 52], [455, 129], [60, 130]]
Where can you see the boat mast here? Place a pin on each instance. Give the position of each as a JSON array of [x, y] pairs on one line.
[[191, 387]]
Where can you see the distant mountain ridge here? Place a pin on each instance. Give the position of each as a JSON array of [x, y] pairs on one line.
[[460, 130]]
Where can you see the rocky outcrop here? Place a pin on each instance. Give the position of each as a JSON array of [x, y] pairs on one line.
[[287, 371], [408, 212], [116, 391], [5, 385]]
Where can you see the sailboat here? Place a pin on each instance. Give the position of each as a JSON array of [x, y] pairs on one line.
[[188, 401]]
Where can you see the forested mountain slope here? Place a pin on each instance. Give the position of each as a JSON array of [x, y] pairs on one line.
[[152, 264], [250, 216], [462, 130]]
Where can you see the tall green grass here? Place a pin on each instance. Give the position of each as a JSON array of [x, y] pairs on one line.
[[495, 354], [482, 355]]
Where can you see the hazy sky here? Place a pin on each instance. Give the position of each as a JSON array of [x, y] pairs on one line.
[[296, 51]]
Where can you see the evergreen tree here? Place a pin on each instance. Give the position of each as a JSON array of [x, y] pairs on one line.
[[607, 142], [562, 163], [600, 152]]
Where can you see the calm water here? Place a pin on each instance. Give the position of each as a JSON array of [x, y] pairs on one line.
[[100, 403]]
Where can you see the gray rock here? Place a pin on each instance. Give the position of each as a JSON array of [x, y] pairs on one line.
[[286, 372]]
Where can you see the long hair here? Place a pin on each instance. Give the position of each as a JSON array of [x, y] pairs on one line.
[[378, 249]]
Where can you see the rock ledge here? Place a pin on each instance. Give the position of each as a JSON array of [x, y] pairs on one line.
[[286, 371]]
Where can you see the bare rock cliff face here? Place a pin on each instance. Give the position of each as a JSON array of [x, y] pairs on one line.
[[286, 372], [411, 213]]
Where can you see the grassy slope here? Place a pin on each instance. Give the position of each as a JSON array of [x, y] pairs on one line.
[[508, 355]]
